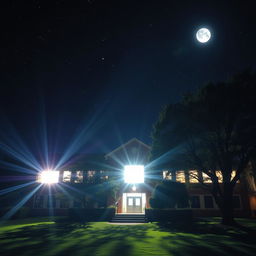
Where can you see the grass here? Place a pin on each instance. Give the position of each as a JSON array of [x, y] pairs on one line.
[[45, 236]]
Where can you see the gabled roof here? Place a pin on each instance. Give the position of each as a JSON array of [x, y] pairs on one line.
[[126, 144]]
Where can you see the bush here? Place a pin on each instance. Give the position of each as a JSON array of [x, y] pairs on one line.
[[169, 194], [93, 214], [169, 215]]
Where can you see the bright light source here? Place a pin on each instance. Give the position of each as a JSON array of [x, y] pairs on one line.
[[49, 177], [203, 35], [134, 174]]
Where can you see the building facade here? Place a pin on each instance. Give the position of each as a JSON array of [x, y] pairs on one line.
[[123, 179]]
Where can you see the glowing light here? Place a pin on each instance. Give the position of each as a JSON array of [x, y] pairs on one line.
[[49, 177], [133, 188], [20, 204], [134, 174], [203, 35]]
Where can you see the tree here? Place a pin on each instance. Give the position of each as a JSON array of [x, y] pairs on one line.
[[169, 194], [211, 130]]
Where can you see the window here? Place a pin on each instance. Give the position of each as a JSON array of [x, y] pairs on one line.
[[236, 202], [51, 201], [193, 177], [91, 176], [233, 174], [167, 175], [208, 202], [137, 201], [195, 201], [182, 204], [206, 178], [180, 176], [130, 201], [103, 176], [66, 176], [64, 203], [219, 176], [78, 177], [39, 202]]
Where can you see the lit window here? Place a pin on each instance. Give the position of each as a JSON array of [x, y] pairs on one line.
[[137, 201], [48, 177], [193, 177], [167, 175], [78, 177], [219, 176], [206, 178], [66, 176], [134, 174], [103, 175], [91, 175], [233, 174], [130, 201], [180, 176]]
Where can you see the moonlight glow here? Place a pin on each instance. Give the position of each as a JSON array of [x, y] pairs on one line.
[[203, 35]]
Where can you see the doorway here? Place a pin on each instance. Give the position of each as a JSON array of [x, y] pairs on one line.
[[134, 203]]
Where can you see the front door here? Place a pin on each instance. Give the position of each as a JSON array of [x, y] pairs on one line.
[[134, 204]]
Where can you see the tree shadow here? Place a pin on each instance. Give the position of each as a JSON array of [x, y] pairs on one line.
[[206, 237], [206, 227], [64, 238]]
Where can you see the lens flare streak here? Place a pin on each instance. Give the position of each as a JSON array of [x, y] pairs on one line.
[[11, 212], [11, 189]]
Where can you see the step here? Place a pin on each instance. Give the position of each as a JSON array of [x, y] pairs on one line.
[[129, 218], [129, 221]]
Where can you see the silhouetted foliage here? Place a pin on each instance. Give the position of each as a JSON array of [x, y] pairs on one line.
[[169, 194], [209, 130]]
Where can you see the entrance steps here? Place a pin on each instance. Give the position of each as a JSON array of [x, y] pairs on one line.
[[129, 218]]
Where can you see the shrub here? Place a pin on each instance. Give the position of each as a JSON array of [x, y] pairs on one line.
[[169, 194], [169, 215], [93, 214]]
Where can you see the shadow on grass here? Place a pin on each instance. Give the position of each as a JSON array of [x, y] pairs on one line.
[[210, 227], [207, 237], [64, 238]]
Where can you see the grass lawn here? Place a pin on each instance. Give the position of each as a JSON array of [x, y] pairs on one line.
[[44, 236]]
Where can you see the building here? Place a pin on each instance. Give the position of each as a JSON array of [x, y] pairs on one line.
[[122, 179]]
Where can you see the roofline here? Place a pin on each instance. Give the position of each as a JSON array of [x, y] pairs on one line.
[[125, 144]]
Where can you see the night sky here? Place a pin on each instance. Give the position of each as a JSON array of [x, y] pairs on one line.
[[97, 73]]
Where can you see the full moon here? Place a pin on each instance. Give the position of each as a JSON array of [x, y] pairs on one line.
[[203, 35]]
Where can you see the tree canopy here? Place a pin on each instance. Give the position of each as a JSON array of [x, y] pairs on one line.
[[209, 130]]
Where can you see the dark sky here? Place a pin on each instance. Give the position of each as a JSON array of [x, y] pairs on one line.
[[106, 68]]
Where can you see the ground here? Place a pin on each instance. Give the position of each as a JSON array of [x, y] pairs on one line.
[[45, 236]]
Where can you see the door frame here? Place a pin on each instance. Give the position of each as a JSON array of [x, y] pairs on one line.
[[124, 201]]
